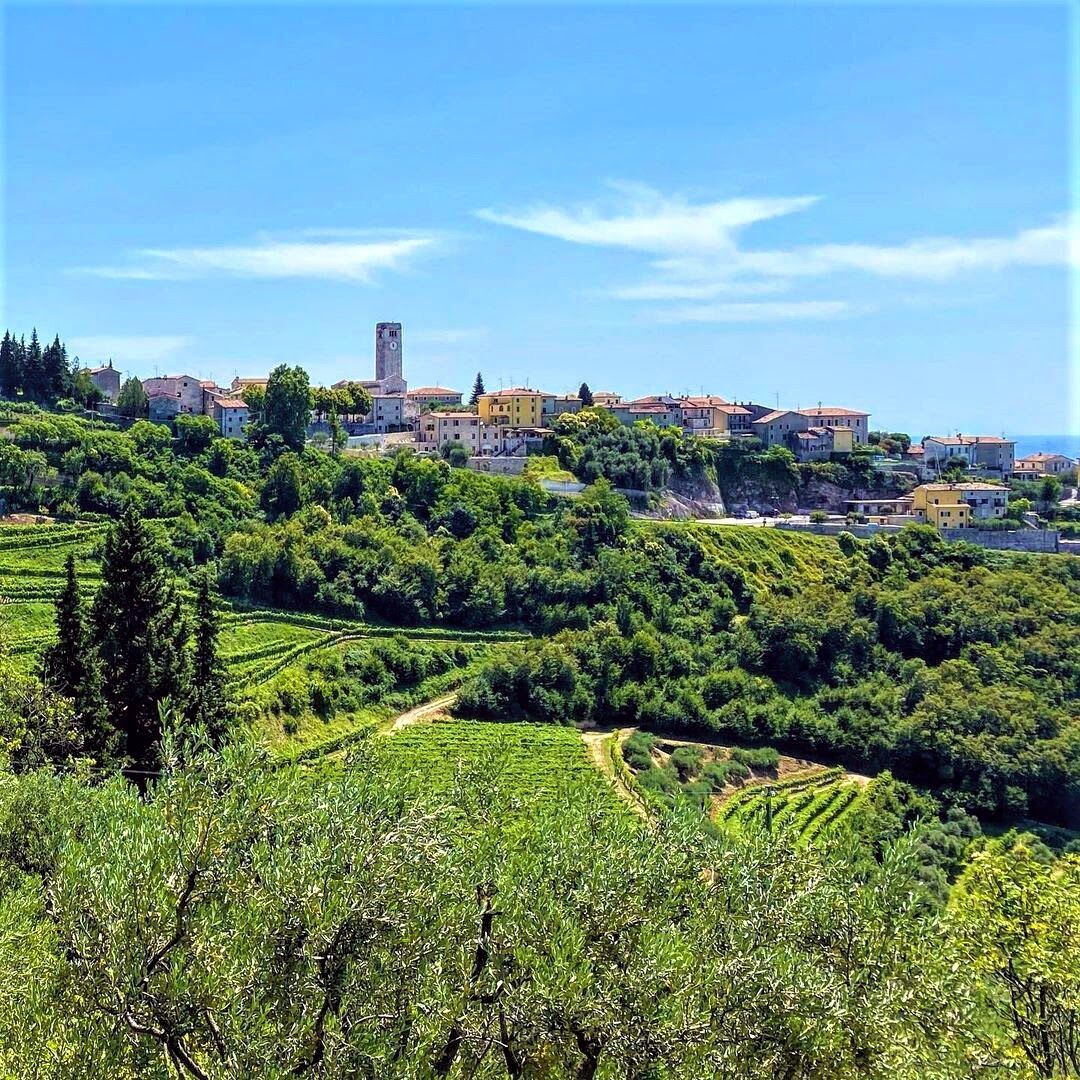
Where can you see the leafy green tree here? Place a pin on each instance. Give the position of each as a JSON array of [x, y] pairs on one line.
[[600, 516], [70, 667], [132, 400], [585, 394], [1018, 920], [207, 703], [354, 400], [254, 396], [83, 390], [1049, 492], [287, 411], [140, 632], [282, 494], [195, 433], [477, 390], [19, 469]]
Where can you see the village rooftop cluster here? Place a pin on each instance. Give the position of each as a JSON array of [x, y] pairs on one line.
[[509, 423]]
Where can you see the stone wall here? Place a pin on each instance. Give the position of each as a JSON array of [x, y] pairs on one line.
[[835, 528], [503, 466], [1015, 540]]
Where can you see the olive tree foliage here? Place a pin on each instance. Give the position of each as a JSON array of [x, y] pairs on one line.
[[246, 920], [1018, 921]]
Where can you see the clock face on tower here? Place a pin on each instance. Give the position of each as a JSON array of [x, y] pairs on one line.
[[392, 345]]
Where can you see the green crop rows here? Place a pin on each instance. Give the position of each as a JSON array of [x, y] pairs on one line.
[[810, 805], [525, 763]]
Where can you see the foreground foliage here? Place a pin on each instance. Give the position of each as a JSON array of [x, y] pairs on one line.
[[246, 920]]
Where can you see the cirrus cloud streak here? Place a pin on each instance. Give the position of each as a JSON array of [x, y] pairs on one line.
[[333, 255]]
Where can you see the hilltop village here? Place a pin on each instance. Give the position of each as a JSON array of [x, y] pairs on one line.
[[882, 480]]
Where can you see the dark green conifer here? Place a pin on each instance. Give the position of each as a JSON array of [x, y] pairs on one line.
[[207, 703], [71, 668], [478, 389], [141, 634]]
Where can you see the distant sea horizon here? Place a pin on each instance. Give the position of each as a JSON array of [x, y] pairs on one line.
[[1069, 445]]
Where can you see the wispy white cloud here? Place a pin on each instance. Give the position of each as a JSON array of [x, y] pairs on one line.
[[339, 255], [935, 258], [697, 253], [127, 348], [752, 312], [644, 220]]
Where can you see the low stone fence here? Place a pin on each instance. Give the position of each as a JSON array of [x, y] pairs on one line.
[[835, 528], [503, 466], [1012, 540], [1047, 540]]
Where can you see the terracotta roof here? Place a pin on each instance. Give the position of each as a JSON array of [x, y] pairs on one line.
[[432, 391], [656, 399], [99, 370], [1042, 455], [456, 415], [832, 410], [709, 400], [966, 440], [768, 418], [231, 403], [517, 391]]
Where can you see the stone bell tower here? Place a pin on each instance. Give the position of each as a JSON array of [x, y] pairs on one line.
[[388, 354]]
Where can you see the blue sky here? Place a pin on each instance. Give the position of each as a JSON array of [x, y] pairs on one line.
[[857, 205]]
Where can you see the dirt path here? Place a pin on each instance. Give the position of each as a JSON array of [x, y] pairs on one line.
[[596, 747], [420, 713]]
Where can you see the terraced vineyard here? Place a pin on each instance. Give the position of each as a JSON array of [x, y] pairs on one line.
[[525, 764], [809, 805]]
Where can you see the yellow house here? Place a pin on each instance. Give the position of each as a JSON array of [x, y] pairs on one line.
[[518, 407], [843, 440], [941, 505]]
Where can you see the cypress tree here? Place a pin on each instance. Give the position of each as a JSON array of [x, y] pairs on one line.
[[478, 389], [33, 376], [9, 375], [56, 375], [207, 704], [585, 394], [70, 667], [141, 634]]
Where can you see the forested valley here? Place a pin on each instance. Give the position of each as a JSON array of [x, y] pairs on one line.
[[347, 765]]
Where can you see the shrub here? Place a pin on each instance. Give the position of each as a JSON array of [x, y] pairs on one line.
[[686, 761], [661, 780], [715, 774], [762, 759], [637, 751], [818, 517]]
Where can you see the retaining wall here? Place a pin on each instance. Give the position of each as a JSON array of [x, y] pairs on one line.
[[1017, 540]]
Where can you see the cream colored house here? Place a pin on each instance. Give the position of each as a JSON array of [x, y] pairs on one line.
[[831, 416], [1035, 466]]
